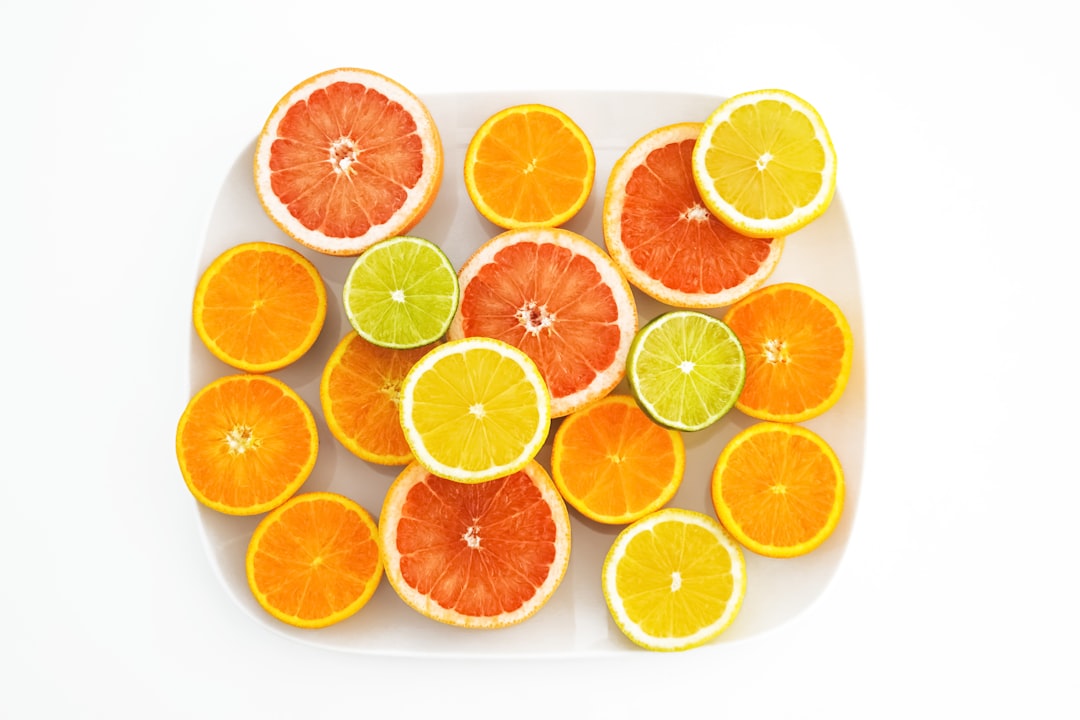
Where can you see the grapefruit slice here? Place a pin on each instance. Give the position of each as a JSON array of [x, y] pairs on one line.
[[665, 239], [347, 158], [559, 298], [482, 555]]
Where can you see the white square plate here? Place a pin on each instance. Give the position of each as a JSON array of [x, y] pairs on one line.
[[575, 622]]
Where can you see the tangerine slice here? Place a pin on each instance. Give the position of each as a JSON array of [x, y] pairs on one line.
[[779, 489], [615, 465], [347, 158], [666, 240], [798, 348], [315, 560], [259, 306], [482, 555], [559, 298], [360, 393], [529, 166], [245, 444]]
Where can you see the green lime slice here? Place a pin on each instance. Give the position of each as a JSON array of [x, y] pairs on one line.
[[401, 292], [686, 369]]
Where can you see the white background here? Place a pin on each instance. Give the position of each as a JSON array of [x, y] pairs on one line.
[[956, 129]]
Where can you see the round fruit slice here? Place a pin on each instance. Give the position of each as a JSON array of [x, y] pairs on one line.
[[686, 369], [484, 555], [315, 560], [347, 158], [475, 409], [615, 465], [360, 392], [558, 297], [674, 580], [245, 444], [764, 163], [664, 238], [401, 293], [779, 489], [529, 166], [259, 306], [798, 348]]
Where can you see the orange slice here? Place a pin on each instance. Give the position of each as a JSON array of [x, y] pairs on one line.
[[259, 306], [482, 555], [529, 166], [558, 297], [360, 393], [798, 348], [245, 444], [779, 489], [347, 158], [666, 240], [613, 464], [315, 560]]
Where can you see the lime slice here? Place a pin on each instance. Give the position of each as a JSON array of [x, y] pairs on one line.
[[401, 293], [686, 369]]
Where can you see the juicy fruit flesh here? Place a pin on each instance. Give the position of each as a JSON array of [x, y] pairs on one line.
[[527, 179], [401, 292], [771, 174], [614, 462], [680, 243], [316, 560], [478, 410], [261, 307], [670, 592], [245, 443], [782, 497], [345, 159], [688, 368], [479, 549], [551, 303], [796, 352]]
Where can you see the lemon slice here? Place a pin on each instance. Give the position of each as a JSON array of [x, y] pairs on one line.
[[686, 369], [401, 293], [475, 409], [674, 580], [764, 163]]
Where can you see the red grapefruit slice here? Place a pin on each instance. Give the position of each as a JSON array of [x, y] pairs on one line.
[[347, 158]]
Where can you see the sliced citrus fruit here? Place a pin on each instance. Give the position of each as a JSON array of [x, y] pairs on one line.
[[360, 393], [315, 560], [674, 580], [663, 237], [528, 166], [779, 489], [482, 555], [245, 444], [798, 347], [686, 369], [475, 409], [259, 306], [557, 296], [401, 293], [347, 158], [614, 464], [764, 163]]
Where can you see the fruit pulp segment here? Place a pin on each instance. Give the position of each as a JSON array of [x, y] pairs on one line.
[[480, 549], [675, 579], [551, 303], [345, 159], [766, 159], [671, 235]]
